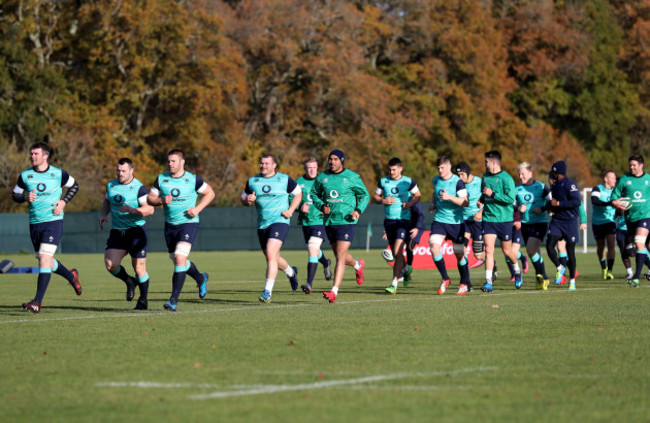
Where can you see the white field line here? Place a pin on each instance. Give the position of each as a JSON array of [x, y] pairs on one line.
[[131, 314]]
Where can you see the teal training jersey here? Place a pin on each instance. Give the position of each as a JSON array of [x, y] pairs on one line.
[[621, 224], [498, 207], [185, 190], [133, 194], [401, 190], [602, 214], [533, 196], [314, 216], [343, 192], [473, 188], [637, 189], [48, 186], [272, 197], [445, 210]]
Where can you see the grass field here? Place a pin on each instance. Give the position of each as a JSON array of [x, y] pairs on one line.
[[514, 355]]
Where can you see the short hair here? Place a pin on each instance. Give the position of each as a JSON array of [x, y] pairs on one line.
[[443, 159], [525, 165], [394, 162], [265, 156], [493, 155], [310, 159], [605, 172], [125, 160], [45, 147], [636, 158], [176, 152]]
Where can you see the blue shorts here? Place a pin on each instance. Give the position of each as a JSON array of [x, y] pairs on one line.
[[277, 231], [396, 229], [317, 231], [534, 230], [451, 231], [517, 237], [132, 240], [567, 230], [46, 233], [474, 229], [503, 230], [340, 233], [623, 238], [601, 231], [632, 226], [174, 234]]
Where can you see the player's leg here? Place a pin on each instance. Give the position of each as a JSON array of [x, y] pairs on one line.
[[142, 277], [611, 253], [640, 236]]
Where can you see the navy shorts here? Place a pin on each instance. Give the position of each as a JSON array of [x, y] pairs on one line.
[[277, 231], [567, 230], [475, 229], [534, 230], [452, 231], [601, 231], [315, 230], [180, 233], [503, 230], [623, 237], [46, 233], [340, 233], [517, 237], [396, 229], [631, 226], [132, 240]]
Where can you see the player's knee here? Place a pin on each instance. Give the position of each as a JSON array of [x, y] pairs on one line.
[[477, 247], [640, 240], [630, 249], [459, 248]]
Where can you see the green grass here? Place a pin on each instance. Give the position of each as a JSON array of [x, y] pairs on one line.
[[514, 355]]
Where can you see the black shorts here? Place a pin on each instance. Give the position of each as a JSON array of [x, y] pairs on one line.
[[132, 240], [601, 231]]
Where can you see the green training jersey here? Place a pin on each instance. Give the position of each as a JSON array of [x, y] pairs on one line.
[[499, 206], [343, 192], [401, 190], [133, 194], [48, 186], [272, 194], [445, 210], [313, 216], [602, 213], [184, 190], [533, 196], [637, 189]]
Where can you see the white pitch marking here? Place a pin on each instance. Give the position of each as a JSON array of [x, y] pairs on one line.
[[272, 389]]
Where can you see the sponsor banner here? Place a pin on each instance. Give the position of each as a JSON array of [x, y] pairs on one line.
[[422, 255]]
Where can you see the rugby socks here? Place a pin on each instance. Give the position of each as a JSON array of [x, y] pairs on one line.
[[538, 264], [641, 257], [335, 290], [268, 285], [564, 259], [610, 264], [463, 269], [194, 272], [440, 264], [121, 274], [511, 267], [143, 285], [603, 263], [61, 270], [44, 276], [178, 280], [409, 257], [322, 259], [312, 266]]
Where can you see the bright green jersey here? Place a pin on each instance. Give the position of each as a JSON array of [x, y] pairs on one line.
[[48, 186], [533, 196], [343, 192], [313, 216], [445, 210], [272, 194], [133, 194], [401, 190], [184, 190], [473, 188], [499, 206], [602, 213], [637, 189]]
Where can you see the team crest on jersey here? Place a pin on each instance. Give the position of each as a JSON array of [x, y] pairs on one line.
[[324, 180], [165, 181], [628, 183], [345, 180], [30, 176], [187, 181]]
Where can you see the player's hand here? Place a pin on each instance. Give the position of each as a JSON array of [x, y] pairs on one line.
[[167, 199], [384, 236], [583, 226], [304, 208], [192, 212], [444, 195], [517, 225], [31, 197], [251, 199], [538, 210], [327, 210], [414, 232], [406, 205], [487, 191], [58, 207], [102, 219], [389, 200], [479, 204], [287, 213], [555, 202], [355, 215], [523, 208], [126, 209]]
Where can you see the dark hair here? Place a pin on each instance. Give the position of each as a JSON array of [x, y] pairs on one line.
[[265, 156], [636, 158], [493, 155], [463, 167], [606, 171], [443, 159], [125, 160], [45, 147], [394, 162], [176, 152]]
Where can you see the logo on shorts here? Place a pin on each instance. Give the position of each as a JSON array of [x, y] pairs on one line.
[[266, 189], [346, 236], [142, 253], [319, 233], [186, 236], [277, 234], [507, 237], [51, 238], [41, 187], [573, 239]]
